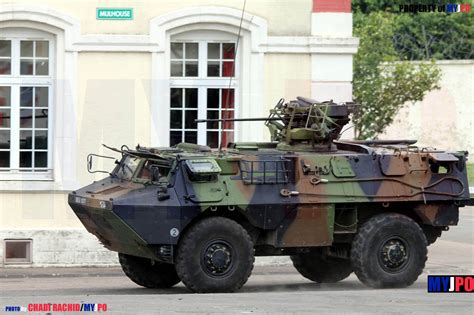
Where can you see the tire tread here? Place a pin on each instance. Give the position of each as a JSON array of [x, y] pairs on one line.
[[358, 249], [186, 245]]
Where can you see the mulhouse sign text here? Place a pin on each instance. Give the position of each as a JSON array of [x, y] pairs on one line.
[[114, 14]]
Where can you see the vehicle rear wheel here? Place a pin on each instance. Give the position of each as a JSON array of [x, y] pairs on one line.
[[148, 273], [321, 268], [215, 255], [389, 250]]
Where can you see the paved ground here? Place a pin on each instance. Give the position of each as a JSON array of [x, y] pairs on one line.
[[271, 289]]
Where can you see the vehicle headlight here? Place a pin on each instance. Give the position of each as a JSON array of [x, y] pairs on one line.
[[80, 200]]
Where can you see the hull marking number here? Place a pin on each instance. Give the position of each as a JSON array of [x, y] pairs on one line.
[[174, 232]]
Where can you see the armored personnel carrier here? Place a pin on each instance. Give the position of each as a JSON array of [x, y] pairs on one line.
[[200, 216]]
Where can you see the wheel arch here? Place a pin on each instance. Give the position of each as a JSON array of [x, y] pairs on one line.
[[235, 215]]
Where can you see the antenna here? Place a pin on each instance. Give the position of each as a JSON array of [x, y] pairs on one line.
[[232, 76]]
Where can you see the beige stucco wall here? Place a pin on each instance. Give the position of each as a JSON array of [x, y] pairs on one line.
[[113, 92], [113, 108], [287, 76], [113, 104], [445, 117], [283, 17]]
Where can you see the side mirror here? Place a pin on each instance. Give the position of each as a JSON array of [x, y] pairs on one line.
[[90, 162]]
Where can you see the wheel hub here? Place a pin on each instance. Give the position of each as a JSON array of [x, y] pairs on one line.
[[394, 254], [218, 258]]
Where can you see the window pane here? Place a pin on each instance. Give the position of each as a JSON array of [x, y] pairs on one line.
[[212, 114], [5, 96], [191, 68], [42, 67], [192, 51], [41, 118], [176, 98], [5, 67], [191, 98], [41, 139], [26, 139], [227, 98], [176, 50], [213, 51], [212, 98], [176, 119], [26, 49], [213, 69], [5, 48], [189, 117], [4, 157], [190, 136], [227, 114], [5, 118], [25, 159], [175, 137], [26, 118], [41, 159], [228, 69], [42, 48], [26, 67], [212, 139], [41, 96], [228, 51], [26, 96], [227, 137], [4, 139], [176, 68]]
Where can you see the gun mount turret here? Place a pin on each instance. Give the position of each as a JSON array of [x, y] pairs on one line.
[[304, 124]]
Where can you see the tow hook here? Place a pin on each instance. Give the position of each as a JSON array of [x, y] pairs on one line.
[[289, 193]]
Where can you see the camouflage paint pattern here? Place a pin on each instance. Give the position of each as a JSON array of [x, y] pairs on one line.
[[294, 199]]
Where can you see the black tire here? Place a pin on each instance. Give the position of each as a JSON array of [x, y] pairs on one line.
[[321, 268], [215, 255], [389, 251], [148, 273]]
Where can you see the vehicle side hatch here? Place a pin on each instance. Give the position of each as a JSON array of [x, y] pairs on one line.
[[203, 183]]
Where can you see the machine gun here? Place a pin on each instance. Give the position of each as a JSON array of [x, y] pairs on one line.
[[303, 124]]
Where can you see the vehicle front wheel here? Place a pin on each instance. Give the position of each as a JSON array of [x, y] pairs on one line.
[[215, 255], [389, 250], [321, 268], [148, 273]]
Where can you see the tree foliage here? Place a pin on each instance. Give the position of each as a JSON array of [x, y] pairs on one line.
[[429, 35], [434, 36], [383, 82]]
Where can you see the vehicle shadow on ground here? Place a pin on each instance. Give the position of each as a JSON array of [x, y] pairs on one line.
[[249, 288]]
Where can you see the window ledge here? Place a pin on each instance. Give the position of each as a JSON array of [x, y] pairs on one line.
[[36, 185], [26, 176]]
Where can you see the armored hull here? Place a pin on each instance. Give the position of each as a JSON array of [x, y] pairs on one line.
[[311, 204]]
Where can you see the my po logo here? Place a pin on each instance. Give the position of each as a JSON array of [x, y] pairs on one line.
[[450, 284]]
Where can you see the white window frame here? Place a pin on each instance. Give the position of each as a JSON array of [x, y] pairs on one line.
[[202, 82], [16, 80]]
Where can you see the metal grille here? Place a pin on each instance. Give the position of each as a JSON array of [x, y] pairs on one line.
[[264, 171]]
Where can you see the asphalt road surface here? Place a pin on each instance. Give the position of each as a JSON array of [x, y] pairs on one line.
[[270, 289]]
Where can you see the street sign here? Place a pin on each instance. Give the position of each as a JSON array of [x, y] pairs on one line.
[[114, 14]]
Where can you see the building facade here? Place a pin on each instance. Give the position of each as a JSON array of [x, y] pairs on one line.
[[71, 81], [443, 119]]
